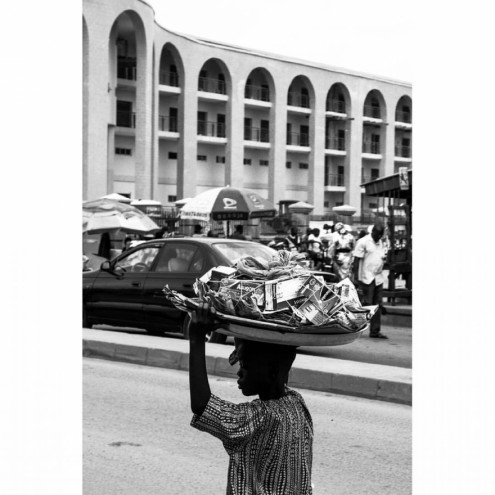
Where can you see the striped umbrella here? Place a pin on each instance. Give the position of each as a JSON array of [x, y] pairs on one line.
[[227, 203], [107, 215]]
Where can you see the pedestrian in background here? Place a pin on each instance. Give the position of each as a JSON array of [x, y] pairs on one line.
[[238, 234], [315, 250], [270, 439], [293, 241], [369, 257], [341, 251]]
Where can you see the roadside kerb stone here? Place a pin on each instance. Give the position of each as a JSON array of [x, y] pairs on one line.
[[379, 382]]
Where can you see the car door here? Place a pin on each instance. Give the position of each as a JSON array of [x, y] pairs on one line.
[[179, 264], [117, 295]]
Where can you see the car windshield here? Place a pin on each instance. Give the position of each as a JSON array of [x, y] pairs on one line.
[[235, 250]]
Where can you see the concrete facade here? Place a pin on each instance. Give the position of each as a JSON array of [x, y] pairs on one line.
[[167, 116]]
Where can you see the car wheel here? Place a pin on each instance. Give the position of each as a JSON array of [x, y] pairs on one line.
[[85, 322], [186, 321]]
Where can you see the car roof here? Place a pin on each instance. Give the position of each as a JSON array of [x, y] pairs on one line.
[[202, 240]]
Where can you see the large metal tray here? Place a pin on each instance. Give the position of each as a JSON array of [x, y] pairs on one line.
[[288, 338]]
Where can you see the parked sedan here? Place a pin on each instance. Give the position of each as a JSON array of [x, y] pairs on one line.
[[127, 291]]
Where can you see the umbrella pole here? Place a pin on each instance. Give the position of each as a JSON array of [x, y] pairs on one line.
[[228, 228]]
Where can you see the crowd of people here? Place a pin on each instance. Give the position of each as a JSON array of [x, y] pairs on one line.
[[360, 258]]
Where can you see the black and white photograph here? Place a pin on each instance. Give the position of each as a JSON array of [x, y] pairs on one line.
[[243, 321]]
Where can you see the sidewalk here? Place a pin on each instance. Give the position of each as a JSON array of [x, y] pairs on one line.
[[325, 374]]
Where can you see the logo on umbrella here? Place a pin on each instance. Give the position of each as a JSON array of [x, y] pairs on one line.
[[229, 204]]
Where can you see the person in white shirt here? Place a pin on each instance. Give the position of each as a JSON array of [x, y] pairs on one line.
[[369, 257], [315, 248]]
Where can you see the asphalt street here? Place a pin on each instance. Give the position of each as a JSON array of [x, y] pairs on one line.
[[137, 437]]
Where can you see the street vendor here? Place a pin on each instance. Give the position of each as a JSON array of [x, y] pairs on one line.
[[270, 439]]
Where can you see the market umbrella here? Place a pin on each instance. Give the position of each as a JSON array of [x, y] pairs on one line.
[[117, 197], [227, 203], [107, 215], [346, 210]]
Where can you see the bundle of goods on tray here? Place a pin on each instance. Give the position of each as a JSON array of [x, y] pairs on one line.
[[281, 294]]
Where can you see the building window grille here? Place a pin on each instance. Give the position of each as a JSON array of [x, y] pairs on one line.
[[247, 161], [264, 163], [172, 155], [288, 164], [172, 198], [220, 159], [123, 151], [303, 166], [202, 158]]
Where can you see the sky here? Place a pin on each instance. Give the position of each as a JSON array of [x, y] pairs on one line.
[[372, 37]]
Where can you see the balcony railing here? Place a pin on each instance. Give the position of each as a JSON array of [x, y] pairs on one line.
[[337, 106], [210, 85], [211, 129], [298, 100], [403, 151], [401, 116], [167, 123], [297, 139], [256, 134], [126, 119], [366, 177], [335, 143], [256, 93], [169, 78], [334, 179], [372, 111], [126, 72], [373, 148]]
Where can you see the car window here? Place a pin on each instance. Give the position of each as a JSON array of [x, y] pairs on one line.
[[180, 257], [235, 250], [140, 260]]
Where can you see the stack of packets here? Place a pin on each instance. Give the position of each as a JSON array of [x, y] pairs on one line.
[[281, 291]]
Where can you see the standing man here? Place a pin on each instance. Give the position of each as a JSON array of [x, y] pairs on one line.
[[369, 256]]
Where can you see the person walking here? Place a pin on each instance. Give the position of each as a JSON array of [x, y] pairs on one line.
[[341, 251], [292, 241], [315, 248], [269, 440], [369, 257]]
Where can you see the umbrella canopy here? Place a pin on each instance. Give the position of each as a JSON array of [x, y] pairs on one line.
[[301, 207], [227, 203], [117, 197], [344, 210], [107, 215]]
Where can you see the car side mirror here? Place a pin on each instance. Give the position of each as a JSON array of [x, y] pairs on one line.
[[105, 266]]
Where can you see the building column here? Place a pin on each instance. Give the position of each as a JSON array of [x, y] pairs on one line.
[[278, 146], [155, 148], [144, 118], [316, 176], [188, 143], [389, 145], [352, 182], [99, 99], [235, 135]]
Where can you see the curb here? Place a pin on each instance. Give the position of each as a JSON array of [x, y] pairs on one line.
[[385, 383]]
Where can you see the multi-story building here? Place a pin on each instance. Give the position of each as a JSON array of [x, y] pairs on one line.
[[167, 116]]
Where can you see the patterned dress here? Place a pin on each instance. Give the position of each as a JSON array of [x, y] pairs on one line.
[[270, 443]]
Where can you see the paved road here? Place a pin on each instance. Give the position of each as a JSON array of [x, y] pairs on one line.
[[137, 437], [397, 351]]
